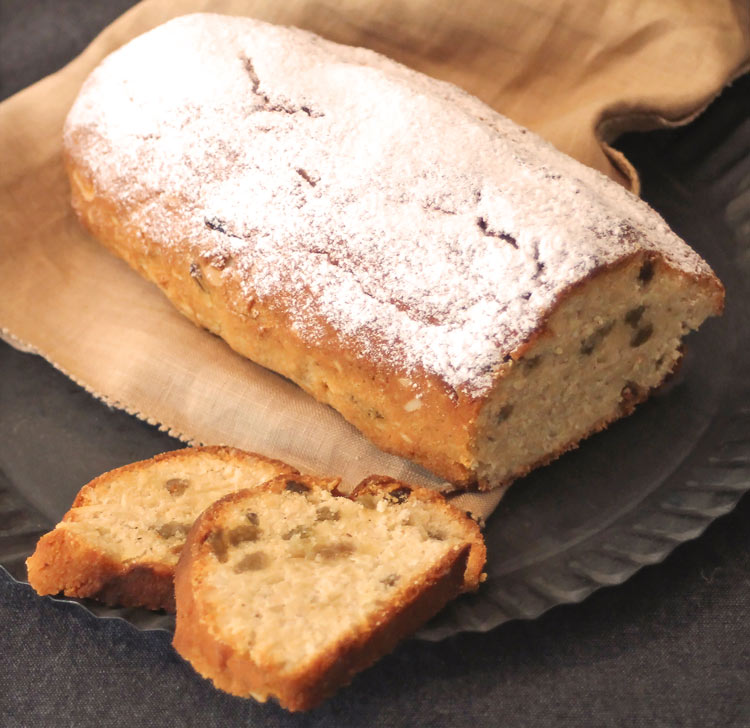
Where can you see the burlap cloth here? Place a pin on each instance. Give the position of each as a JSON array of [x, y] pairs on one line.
[[578, 72]]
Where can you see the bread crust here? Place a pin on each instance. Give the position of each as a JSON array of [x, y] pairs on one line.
[[64, 562], [198, 640]]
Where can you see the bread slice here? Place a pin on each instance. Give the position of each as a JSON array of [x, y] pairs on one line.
[[120, 541], [288, 590]]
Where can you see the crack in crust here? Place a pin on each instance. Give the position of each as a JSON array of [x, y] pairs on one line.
[[267, 104], [490, 233]]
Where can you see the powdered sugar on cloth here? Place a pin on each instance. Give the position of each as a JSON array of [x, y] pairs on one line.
[[428, 230]]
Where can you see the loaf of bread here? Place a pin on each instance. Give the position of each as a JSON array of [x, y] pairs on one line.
[[120, 541], [459, 290], [288, 590]]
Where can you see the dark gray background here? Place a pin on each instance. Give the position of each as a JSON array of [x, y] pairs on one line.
[[670, 647]]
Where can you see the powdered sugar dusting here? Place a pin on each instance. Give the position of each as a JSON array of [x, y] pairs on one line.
[[427, 229]]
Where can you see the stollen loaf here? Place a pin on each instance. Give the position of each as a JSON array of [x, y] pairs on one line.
[[459, 290]]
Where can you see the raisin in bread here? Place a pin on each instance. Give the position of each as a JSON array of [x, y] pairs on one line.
[[459, 290], [288, 590], [120, 541]]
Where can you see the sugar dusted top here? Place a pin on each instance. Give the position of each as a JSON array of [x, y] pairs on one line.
[[427, 229]]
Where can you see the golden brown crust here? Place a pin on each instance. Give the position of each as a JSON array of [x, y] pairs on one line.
[[377, 484], [198, 639], [64, 562]]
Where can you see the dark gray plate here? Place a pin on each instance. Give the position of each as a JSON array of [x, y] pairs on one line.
[[625, 499]]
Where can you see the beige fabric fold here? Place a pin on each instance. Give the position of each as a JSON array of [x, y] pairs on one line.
[[579, 73]]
